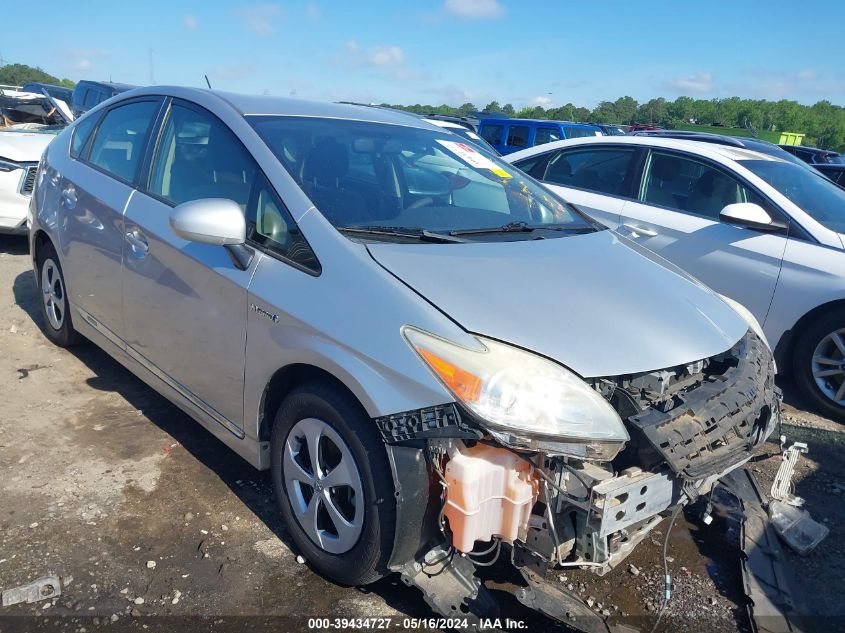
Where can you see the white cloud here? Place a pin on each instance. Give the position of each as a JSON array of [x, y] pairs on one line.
[[313, 11], [82, 60], [379, 56], [698, 83], [543, 102], [259, 18], [190, 22], [472, 9], [386, 56]]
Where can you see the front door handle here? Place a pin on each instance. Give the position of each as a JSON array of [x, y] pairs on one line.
[[638, 230], [137, 242]]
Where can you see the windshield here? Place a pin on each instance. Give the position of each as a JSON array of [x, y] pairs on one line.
[[813, 193], [364, 174]]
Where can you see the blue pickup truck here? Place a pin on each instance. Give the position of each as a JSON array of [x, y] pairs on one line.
[[511, 135]]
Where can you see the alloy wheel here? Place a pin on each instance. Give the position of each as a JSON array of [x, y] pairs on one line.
[[828, 365], [53, 294], [323, 485]]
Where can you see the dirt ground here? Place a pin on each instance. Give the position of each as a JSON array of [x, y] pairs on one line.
[[154, 525]]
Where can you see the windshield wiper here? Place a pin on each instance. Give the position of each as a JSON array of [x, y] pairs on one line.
[[422, 235], [524, 227]]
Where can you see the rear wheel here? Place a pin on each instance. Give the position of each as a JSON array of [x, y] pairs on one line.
[[819, 364], [333, 484], [58, 325]]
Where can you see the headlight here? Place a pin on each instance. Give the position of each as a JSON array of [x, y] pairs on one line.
[[745, 313], [524, 399]]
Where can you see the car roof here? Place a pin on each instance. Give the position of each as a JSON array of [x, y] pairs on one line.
[[532, 121], [258, 105], [711, 150], [107, 84]]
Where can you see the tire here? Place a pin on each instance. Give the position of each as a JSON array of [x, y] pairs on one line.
[[355, 555], [820, 347], [58, 325]]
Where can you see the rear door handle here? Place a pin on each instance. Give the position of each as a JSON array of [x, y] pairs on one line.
[[137, 242], [638, 230], [69, 198]]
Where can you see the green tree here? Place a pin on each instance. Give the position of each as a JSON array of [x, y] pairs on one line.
[[466, 109], [626, 109], [604, 112], [508, 109], [19, 74]]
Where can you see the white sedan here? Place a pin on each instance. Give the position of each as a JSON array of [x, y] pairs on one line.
[[28, 122], [761, 230]]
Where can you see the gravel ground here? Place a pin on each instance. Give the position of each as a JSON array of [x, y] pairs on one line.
[[155, 525]]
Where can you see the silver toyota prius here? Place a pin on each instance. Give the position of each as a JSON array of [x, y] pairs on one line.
[[437, 358]]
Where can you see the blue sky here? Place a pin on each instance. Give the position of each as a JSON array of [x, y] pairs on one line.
[[445, 51]]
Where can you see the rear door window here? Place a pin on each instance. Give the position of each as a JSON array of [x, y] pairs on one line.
[[517, 136], [691, 186], [580, 132], [492, 134], [199, 157], [91, 98], [604, 170], [546, 135], [122, 137]]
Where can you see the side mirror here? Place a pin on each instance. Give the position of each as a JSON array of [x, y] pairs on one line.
[[751, 215], [209, 221], [214, 221]]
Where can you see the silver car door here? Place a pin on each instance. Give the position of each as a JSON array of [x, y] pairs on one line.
[[595, 179], [677, 216], [95, 186], [185, 303]]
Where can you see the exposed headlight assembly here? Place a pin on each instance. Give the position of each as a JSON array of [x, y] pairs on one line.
[[524, 400]]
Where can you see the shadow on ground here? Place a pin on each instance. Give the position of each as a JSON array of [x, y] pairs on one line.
[[252, 487]]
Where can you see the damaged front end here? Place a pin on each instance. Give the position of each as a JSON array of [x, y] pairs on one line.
[[469, 490]]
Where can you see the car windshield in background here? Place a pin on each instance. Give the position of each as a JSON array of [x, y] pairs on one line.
[[411, 181], [813, 193], [473, 138]]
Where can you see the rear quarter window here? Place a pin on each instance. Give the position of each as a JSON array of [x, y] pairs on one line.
[[81, 134]]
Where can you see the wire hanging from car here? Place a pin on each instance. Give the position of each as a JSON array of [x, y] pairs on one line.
[[667, 592]]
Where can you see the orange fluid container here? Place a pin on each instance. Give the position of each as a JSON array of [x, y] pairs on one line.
[[489, 492]]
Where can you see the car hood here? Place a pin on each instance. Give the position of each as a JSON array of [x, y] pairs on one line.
[[23, 146], [595, 303]]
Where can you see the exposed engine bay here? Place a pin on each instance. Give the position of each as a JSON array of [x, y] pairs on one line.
[[554, 506]]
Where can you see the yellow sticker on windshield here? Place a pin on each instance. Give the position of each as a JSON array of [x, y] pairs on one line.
[[500, 172]]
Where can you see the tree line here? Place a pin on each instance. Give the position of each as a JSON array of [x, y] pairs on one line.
[[823, 123], [20, 74]]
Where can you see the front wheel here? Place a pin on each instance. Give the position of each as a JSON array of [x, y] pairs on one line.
[[819, 364], [333, 484]]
